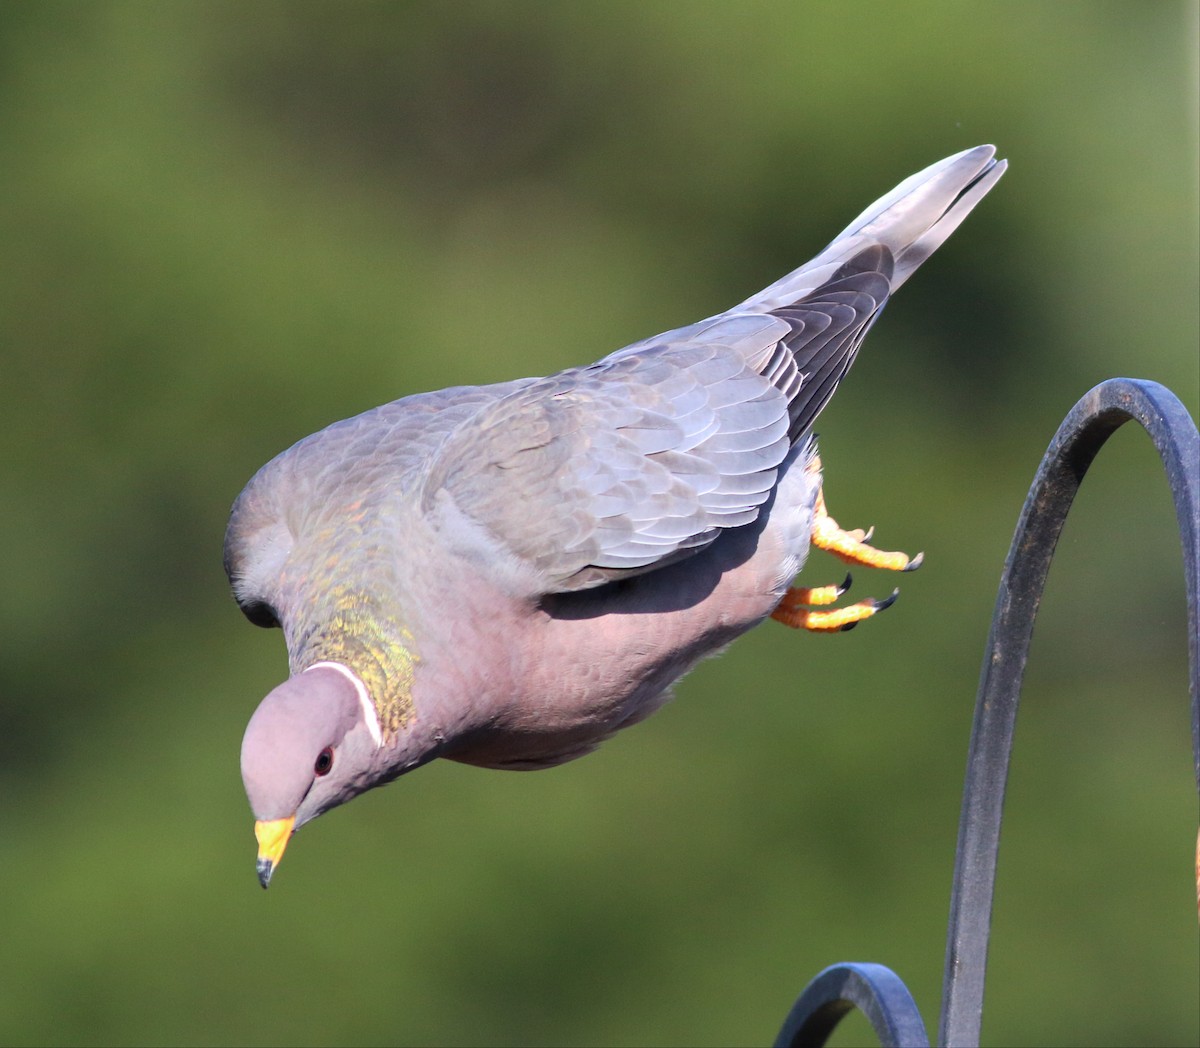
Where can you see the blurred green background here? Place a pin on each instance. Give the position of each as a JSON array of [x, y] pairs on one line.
[[226, 225]]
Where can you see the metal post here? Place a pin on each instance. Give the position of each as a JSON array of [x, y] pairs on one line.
[[878, 991]]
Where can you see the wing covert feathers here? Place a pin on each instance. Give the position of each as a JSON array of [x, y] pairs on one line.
[[599, 472]]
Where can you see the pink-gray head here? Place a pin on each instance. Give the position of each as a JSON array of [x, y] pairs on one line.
[[309, 747]]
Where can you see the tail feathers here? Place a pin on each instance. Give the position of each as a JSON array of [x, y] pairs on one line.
[[828, 327], [912, 221]]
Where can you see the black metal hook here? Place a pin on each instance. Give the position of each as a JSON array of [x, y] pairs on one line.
[[874, 989], [1099, 413], [877, 990]]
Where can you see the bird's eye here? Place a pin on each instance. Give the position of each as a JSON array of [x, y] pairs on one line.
[[324, 761]]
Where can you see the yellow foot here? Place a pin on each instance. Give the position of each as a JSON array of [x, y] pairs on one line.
[[852, 547], [815, 595], [792, 611], [796, 607]]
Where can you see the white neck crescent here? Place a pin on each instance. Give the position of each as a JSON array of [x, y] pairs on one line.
[[364, 699]]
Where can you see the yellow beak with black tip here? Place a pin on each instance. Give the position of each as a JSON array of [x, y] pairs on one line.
[[273, 836]]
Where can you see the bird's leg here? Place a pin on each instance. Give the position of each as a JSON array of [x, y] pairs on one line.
[[791, 611], [796, 609], [851, 546]]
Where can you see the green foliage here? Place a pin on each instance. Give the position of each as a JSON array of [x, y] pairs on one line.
[[227, 225]]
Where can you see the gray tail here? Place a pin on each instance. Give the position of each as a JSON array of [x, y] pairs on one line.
[[911, 221], [832, 302]]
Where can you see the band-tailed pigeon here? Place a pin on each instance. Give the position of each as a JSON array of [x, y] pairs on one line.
[[506, 575]]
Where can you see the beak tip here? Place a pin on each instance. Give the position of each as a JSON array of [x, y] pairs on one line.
[[272, 835]]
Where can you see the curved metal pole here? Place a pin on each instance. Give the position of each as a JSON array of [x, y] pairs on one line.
[[1083, 432], [876, 990]]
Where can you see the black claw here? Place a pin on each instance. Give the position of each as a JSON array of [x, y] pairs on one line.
[[845, 585], [887, 602], [915, 563], [847, 628]]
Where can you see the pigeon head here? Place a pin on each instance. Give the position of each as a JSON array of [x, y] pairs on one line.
[[309, 747]]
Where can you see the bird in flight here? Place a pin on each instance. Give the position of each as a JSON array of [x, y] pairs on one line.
[[507, 575]]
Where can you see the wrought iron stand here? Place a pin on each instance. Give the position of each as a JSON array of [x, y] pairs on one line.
[[877, 990]]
